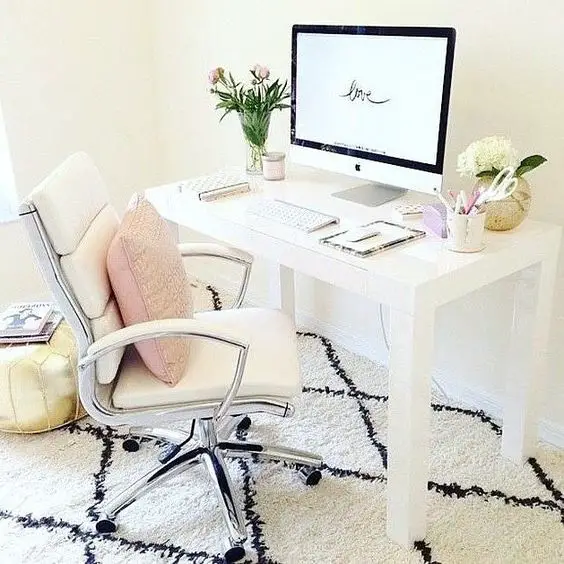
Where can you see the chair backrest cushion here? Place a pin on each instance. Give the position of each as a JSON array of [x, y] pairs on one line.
[[149, 282], [68, 200], [73, 205], [85, 267], [108, 322]]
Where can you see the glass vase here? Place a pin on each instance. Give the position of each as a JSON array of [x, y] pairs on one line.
[[510, 212], [255, 127]]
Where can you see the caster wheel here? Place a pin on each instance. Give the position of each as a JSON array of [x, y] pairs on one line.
[[310, 477], [106, 526], [244, 424], [234, 554], [130, 445]]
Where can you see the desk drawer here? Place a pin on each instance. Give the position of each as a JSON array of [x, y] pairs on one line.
[[319, 266]]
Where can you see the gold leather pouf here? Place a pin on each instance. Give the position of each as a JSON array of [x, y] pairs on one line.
[[38, 384]]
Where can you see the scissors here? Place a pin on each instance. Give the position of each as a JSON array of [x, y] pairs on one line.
[[502, 187]]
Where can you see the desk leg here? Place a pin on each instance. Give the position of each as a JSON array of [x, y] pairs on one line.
[[409, 405], [283, 290], [526, 367]]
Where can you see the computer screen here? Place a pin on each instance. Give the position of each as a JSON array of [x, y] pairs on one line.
[[373, 93]]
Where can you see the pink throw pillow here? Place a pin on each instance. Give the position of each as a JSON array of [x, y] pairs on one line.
[[149, 283]]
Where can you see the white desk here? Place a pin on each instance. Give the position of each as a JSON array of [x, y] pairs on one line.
[[413, 280]]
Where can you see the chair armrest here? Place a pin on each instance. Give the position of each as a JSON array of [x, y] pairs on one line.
[[231, 254], [214, 250], [167, 328]]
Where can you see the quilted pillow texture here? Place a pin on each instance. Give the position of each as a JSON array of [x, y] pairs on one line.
[[150, 283]]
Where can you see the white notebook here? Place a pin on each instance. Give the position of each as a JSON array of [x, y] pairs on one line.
[[215, 186]]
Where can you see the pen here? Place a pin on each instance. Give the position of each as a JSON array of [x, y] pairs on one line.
[[464, 199], [395, 243], [444, 202], [473, 199], [458, 203], [369, 236]]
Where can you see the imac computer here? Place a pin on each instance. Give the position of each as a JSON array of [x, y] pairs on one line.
[[372, 102]]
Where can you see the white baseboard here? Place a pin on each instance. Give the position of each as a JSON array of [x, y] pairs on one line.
[[352, 342], [549, 431]]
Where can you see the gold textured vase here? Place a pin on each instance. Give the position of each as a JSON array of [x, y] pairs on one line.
[[508, 213], [38, 384]]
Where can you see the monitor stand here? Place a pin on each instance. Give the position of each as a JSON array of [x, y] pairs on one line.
[[372, 195]]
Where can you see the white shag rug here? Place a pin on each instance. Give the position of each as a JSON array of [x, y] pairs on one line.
[[482, 508]]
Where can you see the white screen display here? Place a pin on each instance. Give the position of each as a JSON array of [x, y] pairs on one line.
[[374, 93]]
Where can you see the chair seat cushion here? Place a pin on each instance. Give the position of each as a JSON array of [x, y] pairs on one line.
[[272, 367]]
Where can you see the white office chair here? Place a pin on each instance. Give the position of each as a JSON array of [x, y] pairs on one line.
[[241, 361]]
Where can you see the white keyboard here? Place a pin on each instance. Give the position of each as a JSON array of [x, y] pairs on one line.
[[216, 185], [291, 215]]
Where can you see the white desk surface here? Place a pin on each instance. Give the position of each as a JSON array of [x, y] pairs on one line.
[[392, 276]]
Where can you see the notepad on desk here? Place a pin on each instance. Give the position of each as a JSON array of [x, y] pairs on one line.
[[386, 235]]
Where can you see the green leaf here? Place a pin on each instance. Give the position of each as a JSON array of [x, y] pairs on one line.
[[521, 170], [529, 163], [254, 103], [486, 173], [255, 126], [533, 160]]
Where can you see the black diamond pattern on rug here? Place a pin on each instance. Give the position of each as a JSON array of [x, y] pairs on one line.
[[104, 445]]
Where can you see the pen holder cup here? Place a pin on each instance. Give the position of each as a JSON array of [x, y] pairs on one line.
[[465, 233]]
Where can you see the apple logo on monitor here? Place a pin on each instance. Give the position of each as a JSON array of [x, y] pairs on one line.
[[357, 167]]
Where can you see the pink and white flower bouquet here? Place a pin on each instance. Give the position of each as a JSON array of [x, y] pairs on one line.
[[254, 103]]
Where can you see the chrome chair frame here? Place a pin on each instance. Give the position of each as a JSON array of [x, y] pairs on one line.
[[215, 421]]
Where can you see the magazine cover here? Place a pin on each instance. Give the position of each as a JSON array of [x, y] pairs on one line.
[[46, 333], [24, 319]]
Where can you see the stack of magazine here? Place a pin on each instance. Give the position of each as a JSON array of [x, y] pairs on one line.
[[31, 322]]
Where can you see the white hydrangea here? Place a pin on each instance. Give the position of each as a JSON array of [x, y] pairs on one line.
[[486, 154]]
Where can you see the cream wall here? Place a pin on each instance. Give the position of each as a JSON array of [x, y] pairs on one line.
[[125, 81], [74, 75], [508, 79]]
